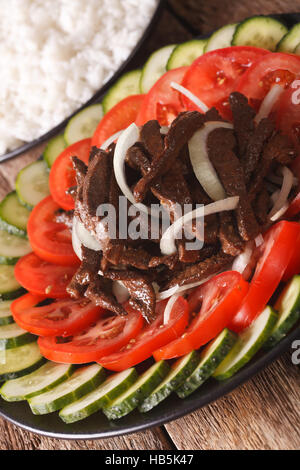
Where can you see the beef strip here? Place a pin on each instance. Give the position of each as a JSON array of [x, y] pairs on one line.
[[243, 120], [81, 170], [231, 242], [85, 274], [221, 143], [100, 292], [200, 271], [261, 206], [152, 139]]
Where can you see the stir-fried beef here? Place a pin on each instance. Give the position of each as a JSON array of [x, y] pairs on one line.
[[90, 265], [243, 120], [261, 206], [231, 242], [99, 291]]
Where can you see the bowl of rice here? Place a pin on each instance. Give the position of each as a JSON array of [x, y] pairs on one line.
[[57, 56]]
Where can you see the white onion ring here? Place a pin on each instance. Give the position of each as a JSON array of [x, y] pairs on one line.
[[111, 139], [268, 103], [259, 240], [176, 289], [202, 166], [242, 260], [168, 308], [281, 200], [167, 242], [120, 291], [184, 91]]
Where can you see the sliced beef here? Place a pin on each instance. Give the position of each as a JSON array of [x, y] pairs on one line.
[[243, 120], [99, 291], [231, 242], [198, 272], [261, 206], [152, 139], [86, 272], [221, 143], [194, 256], [81, 171], [171, 261]]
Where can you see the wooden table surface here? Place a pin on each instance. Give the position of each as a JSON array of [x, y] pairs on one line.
[[262, 414]]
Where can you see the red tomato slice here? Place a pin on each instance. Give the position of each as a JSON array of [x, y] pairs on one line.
[[50, 240], [280, 245], [63, 317], [218, 301], [214, 75], [294, 264], [43, 278], [109, 334], [275, 68], [162, 102], [62, 174], [152, 337], [288, 117], [117, 118]]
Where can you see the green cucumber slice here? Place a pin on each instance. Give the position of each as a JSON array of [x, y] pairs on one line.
[[41, 380], [185, 54], [176, 377], [81, 382], [288, 308], [291, 40], [155, 67], [138, 392], [128, 84], [102, 396], [221, 38], [83, 124], [259, 31], [9, 286], [19, 361], [247, 345], [54, 148], [13, 216], [12, 247], [211, 357], [12, 336], [32, 184], [5, 313]]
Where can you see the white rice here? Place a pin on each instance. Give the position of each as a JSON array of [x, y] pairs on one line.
[[54, 55]]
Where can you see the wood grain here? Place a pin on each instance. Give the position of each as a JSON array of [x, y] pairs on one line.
[[264, 413]]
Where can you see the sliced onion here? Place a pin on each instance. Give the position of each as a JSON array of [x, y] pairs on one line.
[[268, 103], [259, 240], [202, 166], [241, 261], [120, 291], [167, 242], [190, 96], [279, 213], [282, 198], [111, 139], [168, 308], [76, 243], [164, 130]]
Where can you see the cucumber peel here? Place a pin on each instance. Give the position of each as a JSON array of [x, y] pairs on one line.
[[128, 84]]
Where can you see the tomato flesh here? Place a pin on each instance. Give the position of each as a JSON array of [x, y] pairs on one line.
[[152, 337], [280, 245], [109, 334], [62, 174], [117, 118], [43, 278], [50, 240], [60, 318], [288, 117]]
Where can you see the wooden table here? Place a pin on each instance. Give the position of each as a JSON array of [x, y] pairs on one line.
[[262, 414]]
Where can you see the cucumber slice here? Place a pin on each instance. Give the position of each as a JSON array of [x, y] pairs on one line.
[[185, 54], [176, 377], [41, 380], [155, 67], [247, 345], [12, 247], [104, 395], [9, 286], [13, 216], [297, 50], [32, 184], [13, 336], [291, 40], [221, 38], [54, 148], [288, 308], [259, 31], [211, 357], [83, 381], [83, 124], [128, 84], [5, 313], [19, 361], [138, 392]]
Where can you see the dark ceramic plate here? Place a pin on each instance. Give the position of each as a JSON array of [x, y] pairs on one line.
[[97, 426]]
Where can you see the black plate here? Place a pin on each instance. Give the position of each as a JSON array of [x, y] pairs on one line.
[[97, 426]]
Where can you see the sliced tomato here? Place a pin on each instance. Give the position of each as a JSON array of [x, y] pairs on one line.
[[293, 266], [117, 118], [50, 240], [62, 317], [109, 334], [43, 278], [288, 117], [214, 75], [62, 173], [163, 102], [215, 304], [273, 69], [152, 337], [280, 245]]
